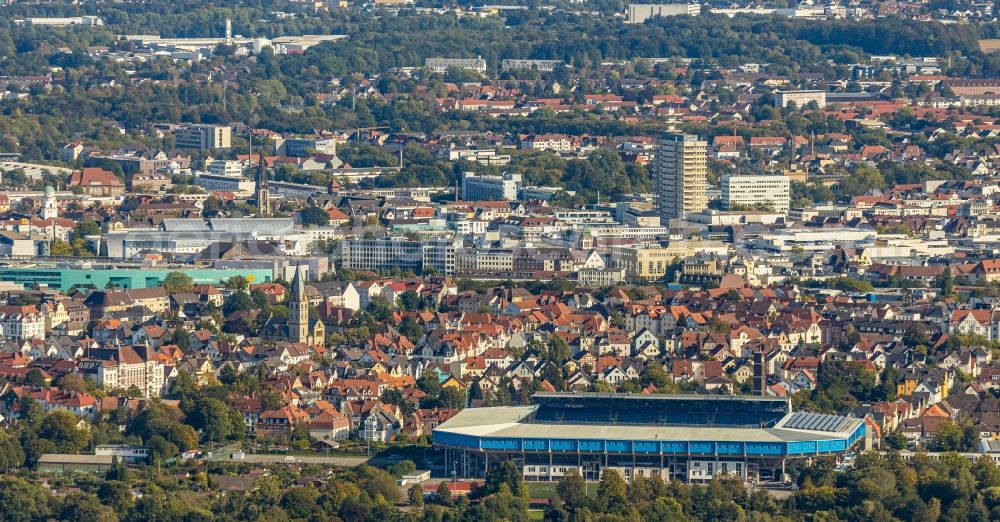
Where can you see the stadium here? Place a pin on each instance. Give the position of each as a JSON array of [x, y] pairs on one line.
[[690, 438]]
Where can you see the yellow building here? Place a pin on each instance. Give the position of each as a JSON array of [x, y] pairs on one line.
[[642, 262]]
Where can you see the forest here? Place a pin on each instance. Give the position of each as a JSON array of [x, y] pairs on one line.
[[879, 489]]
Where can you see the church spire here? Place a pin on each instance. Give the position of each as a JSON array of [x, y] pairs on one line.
[[262, 195], [298, 310], [297, 290]]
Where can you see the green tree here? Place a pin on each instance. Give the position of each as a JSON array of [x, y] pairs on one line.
[[612, 491], [443, 494], [177, 282], [60, 427], [314, 216], [23, 501], [236, 283], [411, 329], [415, 495], [116, 495], [947, 283], [559, 351], [238, 302], [430, 383], [409, 300], [896, 441], [452, 397], [300, 502], [181, 338], [506, 473], [217, 420], [401, 468], [85, 507], [572, 490], [35, 378]]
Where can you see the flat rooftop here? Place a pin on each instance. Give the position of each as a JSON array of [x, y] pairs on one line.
[[657, 397]]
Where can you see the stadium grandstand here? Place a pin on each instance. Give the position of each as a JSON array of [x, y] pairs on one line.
[[691, 438]]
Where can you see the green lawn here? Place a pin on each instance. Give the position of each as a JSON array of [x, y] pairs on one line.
[[548, 489], [541, 489]]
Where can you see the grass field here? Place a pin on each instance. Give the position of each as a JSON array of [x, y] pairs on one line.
[[541, 489], [546, 490]]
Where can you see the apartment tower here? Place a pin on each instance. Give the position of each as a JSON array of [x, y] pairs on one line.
[[680, 172]]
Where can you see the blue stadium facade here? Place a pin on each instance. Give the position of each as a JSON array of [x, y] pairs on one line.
[[676, 437]]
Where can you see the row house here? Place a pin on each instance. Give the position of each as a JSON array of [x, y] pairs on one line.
[[22, 322], [279, 424], [81, 404]]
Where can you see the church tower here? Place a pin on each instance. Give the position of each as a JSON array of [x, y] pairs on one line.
[[50, 207], [263, 198], [298, 310]]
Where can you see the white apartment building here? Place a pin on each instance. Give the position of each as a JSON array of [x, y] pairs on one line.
[[203, 137], [538, 65], [598, 277], [470, 227], [490, 188], [22, 322], [799, 98], [441, 65], [553, 142], [749, 191]]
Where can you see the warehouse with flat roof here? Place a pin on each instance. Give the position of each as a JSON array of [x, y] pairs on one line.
[[676, 437]]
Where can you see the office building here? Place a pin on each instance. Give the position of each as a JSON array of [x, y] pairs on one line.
[[306, 147], [230, 168], [485, 156], [490, 188], [756, 192], [680, 171], [225, 183], [639, 13], [799, 98], [203, 137], [389, 253], [645, 263]]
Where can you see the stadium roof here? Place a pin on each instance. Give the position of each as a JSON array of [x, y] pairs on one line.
[[508, 422], [656, 396]]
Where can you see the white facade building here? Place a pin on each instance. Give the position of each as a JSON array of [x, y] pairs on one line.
[[639, 13], [490, 188], [748, 191], [799, 98], [441, 65]]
